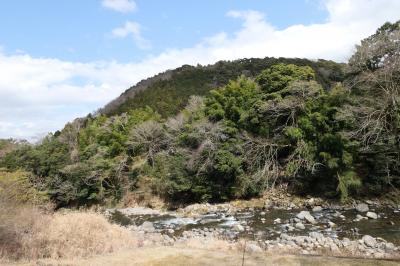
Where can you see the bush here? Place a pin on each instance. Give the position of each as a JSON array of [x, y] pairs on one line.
[[17, 187]]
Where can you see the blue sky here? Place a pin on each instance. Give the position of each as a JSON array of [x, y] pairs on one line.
[[79, 30], [63, 59]]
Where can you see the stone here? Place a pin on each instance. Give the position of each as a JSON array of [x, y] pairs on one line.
[[148, 227], [277, 221], [346, 242], [362, 207], [309, 218], [238, 227], [369, 241], [389, 246], [331, 224], [317, 209], [317, 236], [171, 231], [300, 226], [302, 214], [359, 217], [311, 201], [284, 236], [290, 228], [372, 215]]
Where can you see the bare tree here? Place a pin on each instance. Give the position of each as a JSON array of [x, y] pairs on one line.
[[376, 70], [151, 137], [262, 159]]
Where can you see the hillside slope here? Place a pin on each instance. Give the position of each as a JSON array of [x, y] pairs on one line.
[[168, 92], [306, 125]]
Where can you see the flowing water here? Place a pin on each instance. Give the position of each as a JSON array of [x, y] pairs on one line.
[[260, 224]]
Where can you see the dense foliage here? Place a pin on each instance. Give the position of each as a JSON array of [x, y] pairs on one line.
[[169, 94], [270, 121]]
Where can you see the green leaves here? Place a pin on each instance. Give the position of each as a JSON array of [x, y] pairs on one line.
[[243, 138], [279, 76], [347, 181]]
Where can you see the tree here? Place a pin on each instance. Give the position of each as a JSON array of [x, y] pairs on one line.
[[278, 76], [374, 79]]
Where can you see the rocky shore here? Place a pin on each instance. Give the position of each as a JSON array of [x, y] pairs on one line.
[[306, 226]]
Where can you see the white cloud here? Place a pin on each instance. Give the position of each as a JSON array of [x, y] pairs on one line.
[[123, 6], [39, 95], [134, 29]]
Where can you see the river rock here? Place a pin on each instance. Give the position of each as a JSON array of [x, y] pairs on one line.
[[305, 215], [309, 218], [359, 217], [317, 209], [317, 236], [389, 246], [289, 228], [372, 215], [362, 207], [331, 224], [277, 221], [301, 214], [238, 227], [137, 211], [369, 241], [148, 227], [300, 226]]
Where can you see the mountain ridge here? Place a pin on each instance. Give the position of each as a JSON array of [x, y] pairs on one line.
[[190, 80]]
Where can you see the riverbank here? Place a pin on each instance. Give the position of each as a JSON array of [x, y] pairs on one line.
[[179, 256], [263, 229], [279, 224]]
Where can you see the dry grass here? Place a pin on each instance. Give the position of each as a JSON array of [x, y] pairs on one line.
[[19, 228], [30, 234], [29, 230], [79, 234], [180, 256]]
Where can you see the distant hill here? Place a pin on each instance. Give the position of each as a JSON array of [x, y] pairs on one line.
[[168, 92]]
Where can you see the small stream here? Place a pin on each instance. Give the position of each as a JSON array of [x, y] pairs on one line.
[[263, 224]]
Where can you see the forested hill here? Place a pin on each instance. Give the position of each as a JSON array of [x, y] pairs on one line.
[[232, 130], [168, 92]]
